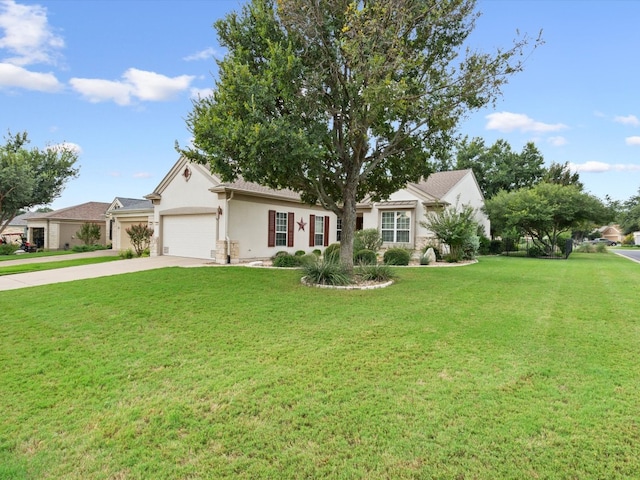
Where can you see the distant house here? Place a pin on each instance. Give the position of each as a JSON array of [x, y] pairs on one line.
[[57, 230], [122, 214], [195, 214], [16, 230], [611, 232]]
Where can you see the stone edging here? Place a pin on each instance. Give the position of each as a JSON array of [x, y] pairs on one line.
[[372, 286]]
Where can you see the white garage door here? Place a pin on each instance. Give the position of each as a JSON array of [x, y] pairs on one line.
[[189, 236]]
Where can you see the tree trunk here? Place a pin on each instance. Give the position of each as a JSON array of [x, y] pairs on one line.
[[348, 228]]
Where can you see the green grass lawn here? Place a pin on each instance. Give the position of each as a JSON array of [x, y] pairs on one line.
[[37, 267], [510, 368], [35, 255]]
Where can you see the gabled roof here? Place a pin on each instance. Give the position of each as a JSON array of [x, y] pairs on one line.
[[122, 204], [440, 183], [86, 212], [21, 220]]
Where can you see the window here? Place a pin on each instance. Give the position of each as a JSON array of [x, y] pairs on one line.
[[318, 230], [281, 229], [395, 227], [338, 229]]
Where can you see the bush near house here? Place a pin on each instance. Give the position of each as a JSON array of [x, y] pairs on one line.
[[140, 236], [396, 256], [89, 233]]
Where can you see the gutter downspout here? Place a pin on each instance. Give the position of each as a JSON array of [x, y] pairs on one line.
[[226, 227]]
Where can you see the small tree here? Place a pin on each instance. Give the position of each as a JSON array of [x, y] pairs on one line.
[[89, 233], [140, 236], [457, 227], [367, 239]]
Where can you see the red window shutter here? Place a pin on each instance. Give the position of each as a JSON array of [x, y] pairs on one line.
[[326, 230], [290, 221], [271, 236], [312, 230]]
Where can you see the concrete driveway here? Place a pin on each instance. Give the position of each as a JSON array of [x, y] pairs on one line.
[[69, 274]]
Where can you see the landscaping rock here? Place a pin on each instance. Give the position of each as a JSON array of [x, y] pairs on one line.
[[430, 255]]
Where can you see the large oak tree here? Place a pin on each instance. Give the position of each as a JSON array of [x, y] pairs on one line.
[[31, 176], [340, 99]]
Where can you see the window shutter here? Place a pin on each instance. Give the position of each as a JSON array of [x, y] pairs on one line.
[[271, 236], [290, 222], [312, 230], [326, 230]]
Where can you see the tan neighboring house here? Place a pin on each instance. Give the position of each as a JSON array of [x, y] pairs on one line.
[[122, 214], [57, 230], [17, 228], [197, 215], [611, 232]]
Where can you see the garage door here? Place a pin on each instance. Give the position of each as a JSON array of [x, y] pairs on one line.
[[189, 236]]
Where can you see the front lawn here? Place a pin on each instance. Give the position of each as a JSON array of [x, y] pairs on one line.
[[37, 267], [510, 368]]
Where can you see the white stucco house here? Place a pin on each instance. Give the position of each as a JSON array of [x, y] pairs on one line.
[[197, 215], [122, 214]]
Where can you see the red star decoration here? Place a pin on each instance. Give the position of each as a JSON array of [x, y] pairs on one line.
[[301, 224]]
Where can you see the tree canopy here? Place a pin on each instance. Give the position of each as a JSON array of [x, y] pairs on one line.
[[544, 211], [30, 177], [338, 99], [498, 167]]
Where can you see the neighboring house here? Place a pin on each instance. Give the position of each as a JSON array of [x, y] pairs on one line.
[[636, 238], [122, 214], [17, 228], [197, 215], [57, 230], [611, 232]]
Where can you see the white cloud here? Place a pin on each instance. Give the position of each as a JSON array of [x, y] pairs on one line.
[[14, 76], [508, 122], [557, 141], [142, 175], [74, 147], [197, 93], [628, 120], [632, 140], [115, 174], [601, 167], [27, 35], [139, 84], [206, 54]]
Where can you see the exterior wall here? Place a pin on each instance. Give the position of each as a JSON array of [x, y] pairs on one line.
[[249, 225], [182, 196], [63, 233], [636, 238], [468, 193], [39, 224], [121, 240]]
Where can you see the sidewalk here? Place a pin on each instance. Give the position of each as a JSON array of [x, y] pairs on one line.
[[69, 274]]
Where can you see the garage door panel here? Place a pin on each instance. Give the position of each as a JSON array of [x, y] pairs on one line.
[[189, 236]]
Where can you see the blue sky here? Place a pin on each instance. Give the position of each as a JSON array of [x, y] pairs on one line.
[[116, 79]]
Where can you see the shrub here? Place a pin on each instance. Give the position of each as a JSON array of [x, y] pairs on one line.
[[470, 247], [89, 233], [323, 272], [485, 246], [317, 252], [374, 273], [535, 251], [287, 261], [629, 240], [140, 236], [126, 254], [496, 247], [300, 253], [601, 248], [279, 254], [332, 252], [8, 248], [367, 239], [397, 256], [365, 256], [87, 248]]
